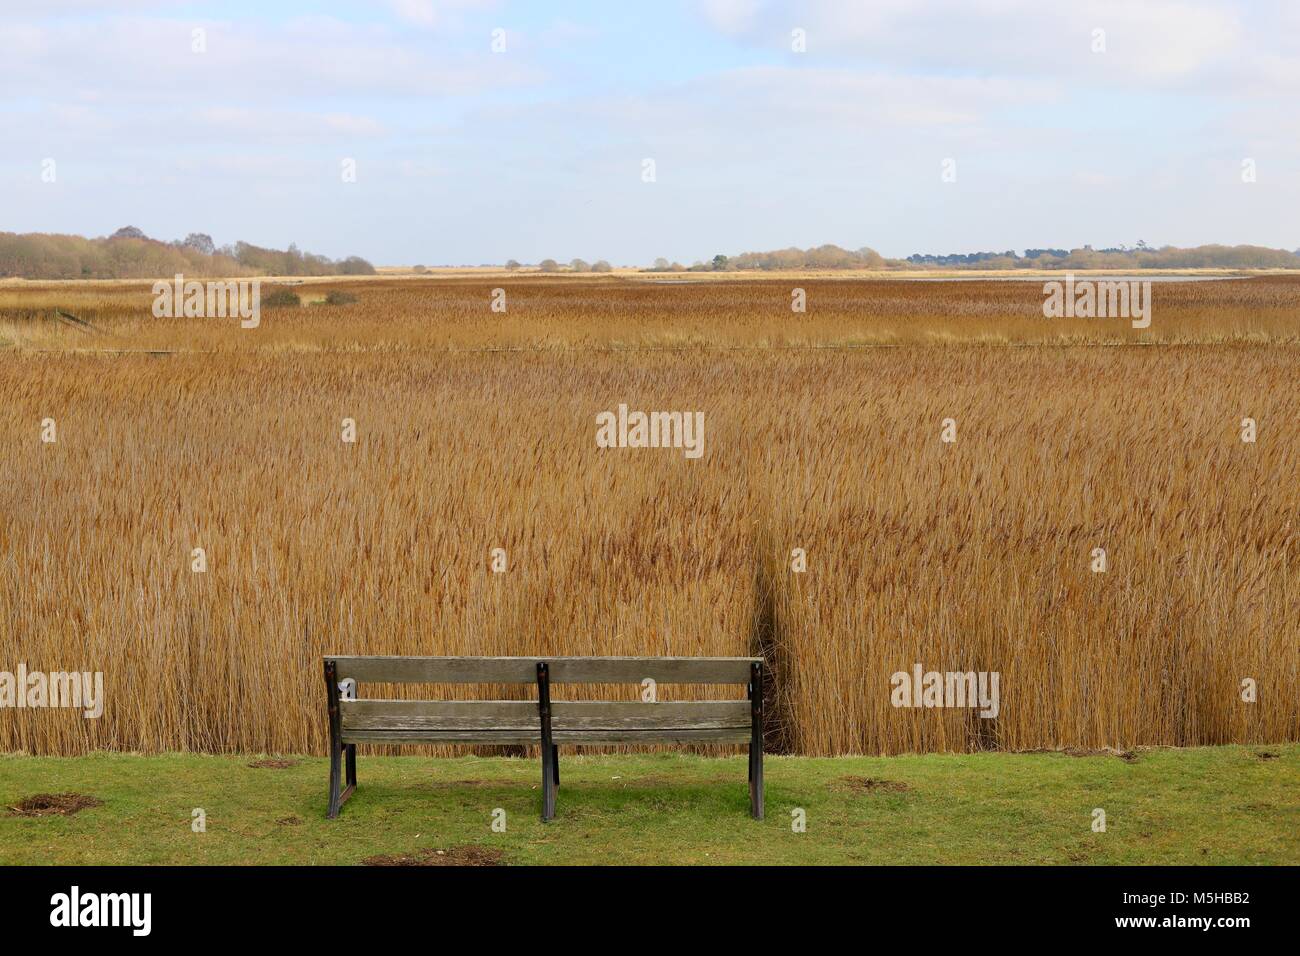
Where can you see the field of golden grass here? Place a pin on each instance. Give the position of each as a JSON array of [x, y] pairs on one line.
[[475, 430], [648, 311]]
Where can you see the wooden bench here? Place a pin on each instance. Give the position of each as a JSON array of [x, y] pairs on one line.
[[543, 722]]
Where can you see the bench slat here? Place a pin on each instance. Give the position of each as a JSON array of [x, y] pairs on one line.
[[571, 737], [440, 736], [433, 715], [662, 670], [522, 715], [572, 715], [504, 709], [438, 670], [665, 735], [563, 670]]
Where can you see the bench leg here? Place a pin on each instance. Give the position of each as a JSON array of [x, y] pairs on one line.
[[548, 782], [756, 741], [336, 747], [550, 752], [550, 807], [336, 772], [343, 759]]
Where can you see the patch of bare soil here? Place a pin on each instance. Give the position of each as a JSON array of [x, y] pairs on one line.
[[874, 785], [54, 804], [288, 821], [452, 856], [273, 763], [1266, 755]]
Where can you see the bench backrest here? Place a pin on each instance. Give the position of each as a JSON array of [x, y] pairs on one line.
[[563, 670], [524, 721]]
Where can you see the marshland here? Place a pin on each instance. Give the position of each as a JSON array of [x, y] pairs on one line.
[[476, 430]]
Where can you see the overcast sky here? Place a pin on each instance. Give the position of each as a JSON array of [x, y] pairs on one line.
[[465, 155]]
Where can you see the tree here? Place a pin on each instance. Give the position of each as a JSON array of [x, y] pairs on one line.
[[355, 266], [548, 265], [578, 265], [512, 265], [719, 262], [601, 265], [129, 232], [871, 259], [200, 242]]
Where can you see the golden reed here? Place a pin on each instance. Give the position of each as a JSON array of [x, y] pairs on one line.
[[965, 556]]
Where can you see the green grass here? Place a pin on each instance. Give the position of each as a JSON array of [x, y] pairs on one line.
[[1214, 805]]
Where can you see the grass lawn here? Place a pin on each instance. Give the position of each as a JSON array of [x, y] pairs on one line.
[[1202, 805]]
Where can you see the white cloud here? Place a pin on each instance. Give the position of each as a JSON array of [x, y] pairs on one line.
[[151, 60], [1167, 42]]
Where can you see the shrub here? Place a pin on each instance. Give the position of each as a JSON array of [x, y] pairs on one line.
[[280, 298]]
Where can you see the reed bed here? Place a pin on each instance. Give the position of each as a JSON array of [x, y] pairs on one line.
[[626, 313], [973, 555]]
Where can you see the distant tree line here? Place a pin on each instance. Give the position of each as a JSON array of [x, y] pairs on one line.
[[130, 254], [575, 265], [822, 257], [1140, 256]]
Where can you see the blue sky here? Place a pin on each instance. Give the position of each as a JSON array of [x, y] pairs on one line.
[[464, 155]]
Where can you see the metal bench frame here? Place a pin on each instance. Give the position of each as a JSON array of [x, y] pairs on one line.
[[542, 723]]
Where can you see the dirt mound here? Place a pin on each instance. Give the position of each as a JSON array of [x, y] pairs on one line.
[[54, 804], [452, 856], [273, 763]]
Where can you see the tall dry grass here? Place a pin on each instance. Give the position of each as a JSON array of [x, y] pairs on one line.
[[972, 556], [635, 313]]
